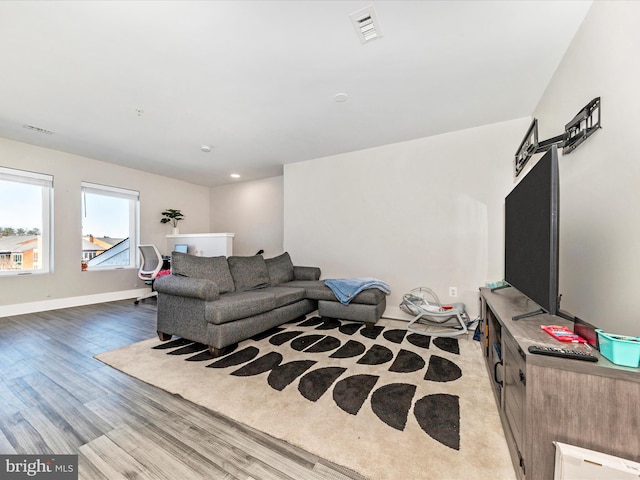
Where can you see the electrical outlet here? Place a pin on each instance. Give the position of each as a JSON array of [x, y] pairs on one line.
[[453, 291]]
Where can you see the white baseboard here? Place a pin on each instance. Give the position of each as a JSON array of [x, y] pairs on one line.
[[394, 313], [55, 304]]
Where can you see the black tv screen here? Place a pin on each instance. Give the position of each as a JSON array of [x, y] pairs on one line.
[[531, 233]]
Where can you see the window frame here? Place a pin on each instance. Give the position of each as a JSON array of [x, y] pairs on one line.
[[44, 248], [133, 197]]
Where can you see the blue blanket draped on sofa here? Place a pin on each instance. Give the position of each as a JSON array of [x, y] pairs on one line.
[[346, 288]]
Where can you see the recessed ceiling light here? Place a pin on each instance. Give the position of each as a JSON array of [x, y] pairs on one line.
[[205, 148], [234, 175], [341, 97]]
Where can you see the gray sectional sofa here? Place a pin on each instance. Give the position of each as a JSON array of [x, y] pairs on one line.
[[220, 301]]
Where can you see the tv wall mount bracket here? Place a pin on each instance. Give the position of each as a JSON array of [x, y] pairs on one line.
[[581, 127]]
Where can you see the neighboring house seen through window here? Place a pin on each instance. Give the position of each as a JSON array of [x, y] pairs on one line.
[[109, 226], [25, 222]]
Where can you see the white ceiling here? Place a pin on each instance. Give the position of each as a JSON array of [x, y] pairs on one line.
[[256, 80]]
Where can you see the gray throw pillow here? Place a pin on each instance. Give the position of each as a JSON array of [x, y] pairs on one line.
[[249, 273], [280, 269], [215, 269]]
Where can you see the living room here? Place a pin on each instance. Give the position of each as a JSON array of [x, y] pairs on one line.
[[427, 210], [426, 217]]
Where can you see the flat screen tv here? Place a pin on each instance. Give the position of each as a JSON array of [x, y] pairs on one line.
[[531, 234]]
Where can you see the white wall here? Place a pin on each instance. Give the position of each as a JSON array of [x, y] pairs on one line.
[[254, 212], [67, 285], [599, 193], [427, 212]]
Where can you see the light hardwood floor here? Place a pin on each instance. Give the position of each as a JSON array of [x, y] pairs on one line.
[[55, 398]]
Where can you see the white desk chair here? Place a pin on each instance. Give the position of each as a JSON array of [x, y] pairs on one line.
[[149, 268]]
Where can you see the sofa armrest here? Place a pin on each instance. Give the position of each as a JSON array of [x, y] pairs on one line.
[[306, 273], [180, 286]]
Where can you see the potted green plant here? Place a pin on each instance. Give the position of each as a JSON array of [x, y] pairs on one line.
[[172, 216]]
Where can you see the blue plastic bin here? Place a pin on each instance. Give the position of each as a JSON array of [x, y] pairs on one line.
[[620, 349]]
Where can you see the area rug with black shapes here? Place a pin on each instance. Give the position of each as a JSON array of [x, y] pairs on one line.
[[379, 400]]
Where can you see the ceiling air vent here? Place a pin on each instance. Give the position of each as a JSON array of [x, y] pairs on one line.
[[366, 23], [38, 129]]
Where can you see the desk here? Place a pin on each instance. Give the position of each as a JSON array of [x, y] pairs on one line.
[[203, 244]]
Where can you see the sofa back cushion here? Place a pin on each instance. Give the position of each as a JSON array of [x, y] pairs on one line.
[[215, 269], [249, 273], [280, 269]]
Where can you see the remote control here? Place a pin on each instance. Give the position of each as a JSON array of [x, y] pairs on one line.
[[563, 352]]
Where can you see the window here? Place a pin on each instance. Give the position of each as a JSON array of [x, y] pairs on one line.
[[109, 226], [25, 222]]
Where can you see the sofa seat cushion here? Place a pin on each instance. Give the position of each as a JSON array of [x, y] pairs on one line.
[[317, 290], [249, 273], [286, 295], [215, 269], [238, 305], [280, 269]]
